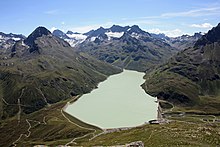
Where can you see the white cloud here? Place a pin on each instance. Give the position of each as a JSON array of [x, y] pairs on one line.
[[155, 31], [194, 12], [203, 26], [63, 23], [170, 33], [205, 11]]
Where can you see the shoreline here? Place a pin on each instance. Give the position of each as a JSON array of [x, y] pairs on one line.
[[72, 100], [109, 130]]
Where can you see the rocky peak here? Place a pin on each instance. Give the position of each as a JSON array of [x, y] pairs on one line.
[[60, 34], [12, 36], [89, 33], [97, 32], [212, 36], [137, 30], [198, 35], [71, 32], [38, 32], [117, 28], [160, 36], [40, 41]]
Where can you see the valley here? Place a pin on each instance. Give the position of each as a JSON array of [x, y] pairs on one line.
[[43, 73]]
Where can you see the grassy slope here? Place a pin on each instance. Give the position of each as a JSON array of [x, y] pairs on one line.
[[176, 133], [59, 131], [55, 78], [190, 79], [38, 80], [48, 126]]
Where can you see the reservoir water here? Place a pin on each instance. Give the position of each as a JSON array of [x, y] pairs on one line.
[[118, 102]]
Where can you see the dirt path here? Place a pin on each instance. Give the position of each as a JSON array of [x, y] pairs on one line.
[[44, 98], [19, 105], [73, 141], [151, 134], [5, 101], [21, 135]]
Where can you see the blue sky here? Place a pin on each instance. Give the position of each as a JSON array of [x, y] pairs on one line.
[[172, 17]]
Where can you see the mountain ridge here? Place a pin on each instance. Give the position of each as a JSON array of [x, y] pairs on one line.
[[192, 77], [117, 31], [210, 37], [133, 49], [47, 67], [8, 40]]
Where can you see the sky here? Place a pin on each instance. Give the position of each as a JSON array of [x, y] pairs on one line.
[[172, 17]]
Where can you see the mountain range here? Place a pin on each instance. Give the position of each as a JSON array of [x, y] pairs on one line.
[[181, 42], [125, 47], [128, 47], [8, 40], [43, 69], [45, 61], [117, 31]]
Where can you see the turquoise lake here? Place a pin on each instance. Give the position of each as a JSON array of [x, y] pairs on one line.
[[118, 102]]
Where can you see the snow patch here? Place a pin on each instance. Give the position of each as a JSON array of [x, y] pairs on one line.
[[202, 33], [74, 42], [114, 34], [75, 39], [77, 36], [135, 35], [93, 39], [16, 39], [22, 43]]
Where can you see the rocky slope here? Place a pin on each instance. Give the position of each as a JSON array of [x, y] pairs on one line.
[[44, 69], [8, 40], [181, 42], [192, 77], [72, 38], [184, 41], [126, 47]]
